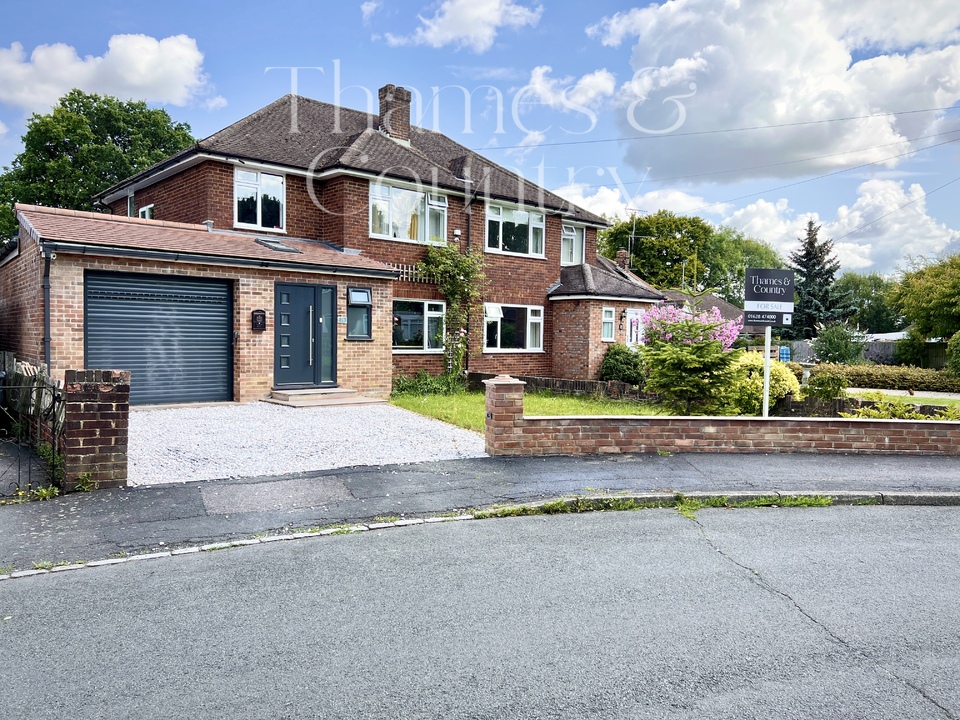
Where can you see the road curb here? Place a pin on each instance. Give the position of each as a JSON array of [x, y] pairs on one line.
[[577, 503]]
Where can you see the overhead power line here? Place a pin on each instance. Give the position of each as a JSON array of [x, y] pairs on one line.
[[780, 164], [821, 177], [860, 227], [720, 131]]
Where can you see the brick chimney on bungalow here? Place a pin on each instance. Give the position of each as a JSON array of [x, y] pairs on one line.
[[395, 112], [623, 259]]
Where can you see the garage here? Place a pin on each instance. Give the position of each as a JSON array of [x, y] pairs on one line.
[[173, 333]]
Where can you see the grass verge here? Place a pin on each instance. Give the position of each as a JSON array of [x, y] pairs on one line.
[[468, 409], [686, 506]]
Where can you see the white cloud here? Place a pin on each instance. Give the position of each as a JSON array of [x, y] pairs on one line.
[[702, 65], [368, 9], [526, 145], [561, 93], [881, 246], [135, 66], [472, 24], [613, 202], [3, 130]]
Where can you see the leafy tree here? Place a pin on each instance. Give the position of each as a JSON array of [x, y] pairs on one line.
[[676, 251], [87, 143], [839, 343], [929, 298], [870, 296], [727, 256], [816, 299], [666, 247]]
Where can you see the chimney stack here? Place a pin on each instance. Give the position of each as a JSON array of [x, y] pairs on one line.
[[623, 260], [395, 112]]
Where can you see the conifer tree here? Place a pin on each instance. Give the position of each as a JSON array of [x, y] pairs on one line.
[[816, 300]]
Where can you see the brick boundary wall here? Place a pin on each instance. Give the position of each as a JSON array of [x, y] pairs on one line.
[[508, 432], [95, 427]]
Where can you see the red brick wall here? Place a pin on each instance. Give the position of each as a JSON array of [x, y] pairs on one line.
[[579, 349], [508, 432], [361, 365], [338, 213], [21, 302], [95, 427]]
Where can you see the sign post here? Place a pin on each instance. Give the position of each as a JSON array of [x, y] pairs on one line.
[[767, 300]]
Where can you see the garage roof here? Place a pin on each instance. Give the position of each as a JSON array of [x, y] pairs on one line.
[[91, 233]]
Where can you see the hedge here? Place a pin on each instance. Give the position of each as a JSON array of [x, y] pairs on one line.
[[892, 377]]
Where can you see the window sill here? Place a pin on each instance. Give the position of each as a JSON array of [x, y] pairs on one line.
[[257, 228], [437, 243], [359, 339], [417, 351], [497, 351], [494, 251]]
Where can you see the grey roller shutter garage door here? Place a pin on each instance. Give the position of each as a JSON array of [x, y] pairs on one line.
[[173, 334]]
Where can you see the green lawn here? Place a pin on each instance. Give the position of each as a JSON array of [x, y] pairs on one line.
[[468, 409], [909, 399]]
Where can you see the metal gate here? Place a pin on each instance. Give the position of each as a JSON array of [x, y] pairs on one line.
[[31, 421], [173, 334]]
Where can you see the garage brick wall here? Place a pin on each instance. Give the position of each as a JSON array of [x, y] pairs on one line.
[[21, 303], [361, 365]]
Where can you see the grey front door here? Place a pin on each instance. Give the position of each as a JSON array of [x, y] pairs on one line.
[[304, 335]]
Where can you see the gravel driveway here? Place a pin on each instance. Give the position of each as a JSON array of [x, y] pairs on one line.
[[228, 441]]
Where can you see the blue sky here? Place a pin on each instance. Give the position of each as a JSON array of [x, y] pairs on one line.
[[759, 115]]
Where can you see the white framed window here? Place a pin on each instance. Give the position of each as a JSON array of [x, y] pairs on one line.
[[259, 200], [131, 205], [418, 325], [608, 318], [571, 245], [407, 215], [146, 212], [514, 231], [513, 328]]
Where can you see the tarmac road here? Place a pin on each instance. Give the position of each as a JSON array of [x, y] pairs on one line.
[[844, 612], [99, 525]]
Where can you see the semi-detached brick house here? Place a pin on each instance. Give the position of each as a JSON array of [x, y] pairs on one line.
[[316, 215]]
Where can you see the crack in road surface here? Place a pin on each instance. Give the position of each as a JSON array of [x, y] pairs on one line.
[[756, 578]]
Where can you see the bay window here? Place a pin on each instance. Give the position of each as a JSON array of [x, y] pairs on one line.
[[400, 214], [513, 231], [258, 200], [513, 327], [418, 325]]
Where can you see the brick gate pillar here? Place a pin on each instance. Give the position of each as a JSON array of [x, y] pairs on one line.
[[504, 423], [95, 428]]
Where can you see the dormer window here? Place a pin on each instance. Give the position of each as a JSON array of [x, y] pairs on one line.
[[514, 231], [259, 200]]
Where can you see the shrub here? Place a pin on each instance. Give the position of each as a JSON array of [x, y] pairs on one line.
[[827, 386], [897, 410], [623, 364], [796, 368], [891, 377], [747, 391], [423, 383], [912, 350], [668, 323], [953, 354], [839, 343], [693, 379]]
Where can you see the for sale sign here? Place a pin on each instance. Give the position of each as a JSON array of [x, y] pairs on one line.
[[768, 297]]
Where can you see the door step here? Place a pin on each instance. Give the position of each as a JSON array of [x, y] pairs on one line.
[[321, 397]]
